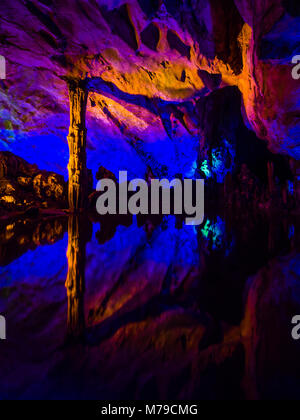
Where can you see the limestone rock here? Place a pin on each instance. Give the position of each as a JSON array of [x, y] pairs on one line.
[[24, 186]]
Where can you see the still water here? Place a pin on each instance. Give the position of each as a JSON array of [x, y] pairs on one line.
[[141, 308]]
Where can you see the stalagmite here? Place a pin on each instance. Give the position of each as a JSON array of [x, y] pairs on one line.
[[78, 176], [75, 282]]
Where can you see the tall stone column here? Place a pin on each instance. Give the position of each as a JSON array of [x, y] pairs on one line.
[[75, 282], [78, 177]]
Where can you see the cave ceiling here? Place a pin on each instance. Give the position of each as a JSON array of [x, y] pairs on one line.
[[148, 64]]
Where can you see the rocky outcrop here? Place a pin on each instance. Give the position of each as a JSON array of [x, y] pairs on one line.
[[24, 186], [269, 91]]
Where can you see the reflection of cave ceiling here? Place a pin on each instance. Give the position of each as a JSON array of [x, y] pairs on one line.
[[153, 61]]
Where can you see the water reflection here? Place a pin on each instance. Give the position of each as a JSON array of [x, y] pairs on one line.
[[79, 233], [19, 235], [178, 302]]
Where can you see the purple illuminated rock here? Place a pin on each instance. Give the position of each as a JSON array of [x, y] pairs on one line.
[[145, 55]]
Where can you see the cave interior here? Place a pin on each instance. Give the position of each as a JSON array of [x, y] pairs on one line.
[[146, 307]]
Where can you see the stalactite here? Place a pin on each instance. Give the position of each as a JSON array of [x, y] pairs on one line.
[[78, 175], [75, 282]]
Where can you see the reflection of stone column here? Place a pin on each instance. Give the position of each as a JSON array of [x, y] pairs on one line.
[[271, 177], [78, 176], [228, 189], [75, 282], [285, 194], [272, 237]]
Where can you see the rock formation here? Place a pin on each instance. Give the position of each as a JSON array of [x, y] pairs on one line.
[[78, 175], [24, 186], [147, 63]]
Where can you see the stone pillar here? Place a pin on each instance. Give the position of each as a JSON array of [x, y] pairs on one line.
[[78, 175], [75, 282]]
